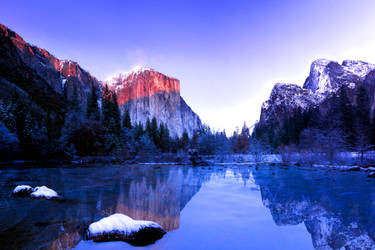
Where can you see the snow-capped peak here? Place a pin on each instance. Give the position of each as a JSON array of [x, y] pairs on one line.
[[358, 68], [118, 78], [327, 76]]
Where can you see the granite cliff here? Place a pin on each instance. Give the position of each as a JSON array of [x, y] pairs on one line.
[[334, 96], [52, 85], [147, 93]]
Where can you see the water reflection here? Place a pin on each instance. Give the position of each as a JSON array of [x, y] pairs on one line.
[[149, 193], [336, 208]]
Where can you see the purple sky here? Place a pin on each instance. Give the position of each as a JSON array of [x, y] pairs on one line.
[[227, 54]]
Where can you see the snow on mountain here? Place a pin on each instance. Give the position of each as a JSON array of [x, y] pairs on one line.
[[324, 79], [327, 76], [286, 98]]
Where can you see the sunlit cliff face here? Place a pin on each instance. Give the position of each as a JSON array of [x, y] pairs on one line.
[[141, 82]]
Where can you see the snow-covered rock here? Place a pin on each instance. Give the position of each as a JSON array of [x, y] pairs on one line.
[[286, 98], [327, 76], [44, 192], [37, 192], [22, 190], [121, 227]]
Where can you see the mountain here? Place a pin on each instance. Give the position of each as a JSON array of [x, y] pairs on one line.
[[146, 93], [331, 93], [21, 62], [54, 108]]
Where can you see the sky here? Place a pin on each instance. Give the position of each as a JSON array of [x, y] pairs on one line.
[[227, 54]]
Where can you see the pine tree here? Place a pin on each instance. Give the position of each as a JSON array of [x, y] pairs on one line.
[[115, 113], [184, 141], [154, 133], [106, 105], [163, 140], [126, 121], [111, 112]]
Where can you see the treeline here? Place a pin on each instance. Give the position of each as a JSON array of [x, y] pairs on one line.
[[28, 132], [340, 125]]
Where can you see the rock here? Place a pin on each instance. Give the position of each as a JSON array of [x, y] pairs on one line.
[[119, 227], [66, 78], [146, 93], [37, 192], [44, 192], [318, 95], [52, 84], [372, 175], [22, 191], [352, 169], [196, 159]]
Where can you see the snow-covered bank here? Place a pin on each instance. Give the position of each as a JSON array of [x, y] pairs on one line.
[[37, 192], [339, 159], [121, 227], [243, 158]]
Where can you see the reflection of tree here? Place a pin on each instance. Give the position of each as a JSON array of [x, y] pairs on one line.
[[142, 192], [335, 212]]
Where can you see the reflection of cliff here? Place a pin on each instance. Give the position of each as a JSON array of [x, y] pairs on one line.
[[335, 213], [142, 192], [160, 202]]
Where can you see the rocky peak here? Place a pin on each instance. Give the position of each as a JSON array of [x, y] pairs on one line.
[[65, 77], [142, 82], [327, 76], [145, 92], [287, 98]]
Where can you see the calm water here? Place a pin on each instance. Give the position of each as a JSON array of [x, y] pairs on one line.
[[218, 207]]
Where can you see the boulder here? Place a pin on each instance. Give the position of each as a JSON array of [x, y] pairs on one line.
[[37, 192], [119, 227], [22, 191]]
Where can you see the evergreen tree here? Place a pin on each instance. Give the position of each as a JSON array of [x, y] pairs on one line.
[[164, 140], [106, 105], [126, 121], [111, 112], [184, 141], [154, 133], [115, 113]]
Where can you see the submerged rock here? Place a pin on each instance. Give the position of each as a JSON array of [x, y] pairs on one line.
[[119, 227], [37, 192]]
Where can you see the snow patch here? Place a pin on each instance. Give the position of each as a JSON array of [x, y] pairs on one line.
[[119, 223], [22, 188], [44, 192], [63, 82], [37, 192], [358, 68]]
